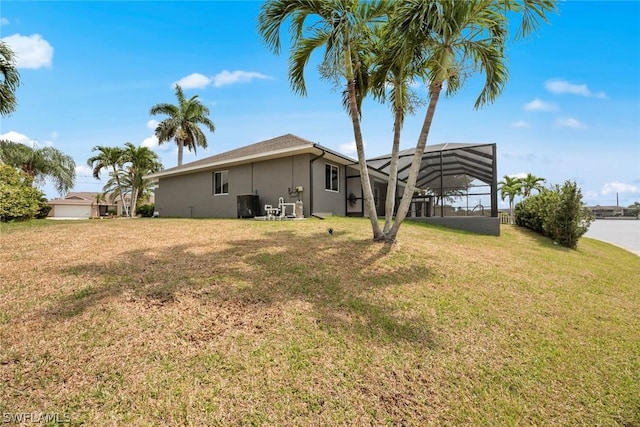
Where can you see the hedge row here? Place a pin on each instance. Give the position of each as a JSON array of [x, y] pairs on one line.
[[558, 213]]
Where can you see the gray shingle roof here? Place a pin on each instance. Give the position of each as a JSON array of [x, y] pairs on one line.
[[283, 142]]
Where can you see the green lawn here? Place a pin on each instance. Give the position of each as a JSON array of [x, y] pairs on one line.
[[238, 322]]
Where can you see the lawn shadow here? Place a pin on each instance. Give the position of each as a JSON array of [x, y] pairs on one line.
[[342, 279]]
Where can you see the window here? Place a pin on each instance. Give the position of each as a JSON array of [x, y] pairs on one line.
[[331, 178], [220, 183]]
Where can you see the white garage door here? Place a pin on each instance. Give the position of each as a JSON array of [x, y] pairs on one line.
[[72, 211]]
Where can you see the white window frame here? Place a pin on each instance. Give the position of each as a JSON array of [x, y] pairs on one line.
[[222, 175], [329, 168]]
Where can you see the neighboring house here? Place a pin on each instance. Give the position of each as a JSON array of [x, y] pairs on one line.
[[609, 211], [78, 204], [287, 166], [239, 183]]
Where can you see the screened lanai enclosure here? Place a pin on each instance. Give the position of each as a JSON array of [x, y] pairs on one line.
[[456, 185]]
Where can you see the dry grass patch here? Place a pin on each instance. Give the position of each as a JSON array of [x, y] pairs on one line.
[[234, 322]]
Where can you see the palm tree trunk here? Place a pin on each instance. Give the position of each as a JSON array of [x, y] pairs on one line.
[[180, 151], [393, 169], [511, 216], [407, 196], [367, 192], [124, 204]]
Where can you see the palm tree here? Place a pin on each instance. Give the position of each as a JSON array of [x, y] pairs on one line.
[[9, 81], [510, 187], [393, 81], [530, 183], [343, 28], [454, 39], [183, 122], [140, 161], [41, 164], [108, 157]]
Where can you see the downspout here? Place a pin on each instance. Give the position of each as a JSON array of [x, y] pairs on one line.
[[311, 176]]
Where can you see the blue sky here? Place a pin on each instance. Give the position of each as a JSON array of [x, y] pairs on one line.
[[90, 72]]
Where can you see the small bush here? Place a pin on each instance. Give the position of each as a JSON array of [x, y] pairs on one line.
[[44, 209], [20, 200], [557, 213], [146, 211]]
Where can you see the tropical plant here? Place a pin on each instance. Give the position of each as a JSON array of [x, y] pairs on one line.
[[9, 80], [455, 40], [182, 123], [108, 158], [20, 200], [140, 161], [343, 28], [530, 183], [393, 82], [510, 187], [41, 163], [146, 210], [558, 213], [635, 209], [440, 41]]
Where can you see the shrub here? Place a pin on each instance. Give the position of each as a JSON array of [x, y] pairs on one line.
[[44, 209], [146, 210], [20, 200], [557, 213]]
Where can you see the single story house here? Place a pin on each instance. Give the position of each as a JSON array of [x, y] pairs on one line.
[[609, 211], [239, 183], [77, 204]]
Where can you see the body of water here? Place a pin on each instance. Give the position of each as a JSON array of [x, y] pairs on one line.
[[623, 233]]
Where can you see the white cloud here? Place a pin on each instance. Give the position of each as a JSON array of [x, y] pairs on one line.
[[563, 86], [349, 148], [570, 123], [193, 81], [31, 51], [231, 77], [4, 21], [18, 137], [150, 142], [54, 135], [591, 195], [619, 187], [520, 124], [518, 175], [528, 157], [84, 170], [152, 124], [539, 105]]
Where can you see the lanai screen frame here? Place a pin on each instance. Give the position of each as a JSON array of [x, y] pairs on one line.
[[449, 159]]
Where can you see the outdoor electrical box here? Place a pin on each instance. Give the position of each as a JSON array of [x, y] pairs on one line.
[[248, 206]]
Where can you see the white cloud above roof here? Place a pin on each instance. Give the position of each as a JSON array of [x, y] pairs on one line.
[[31, 51], [562, 86], [619, 187], [83, 170], [539, 105], [349, 148]]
